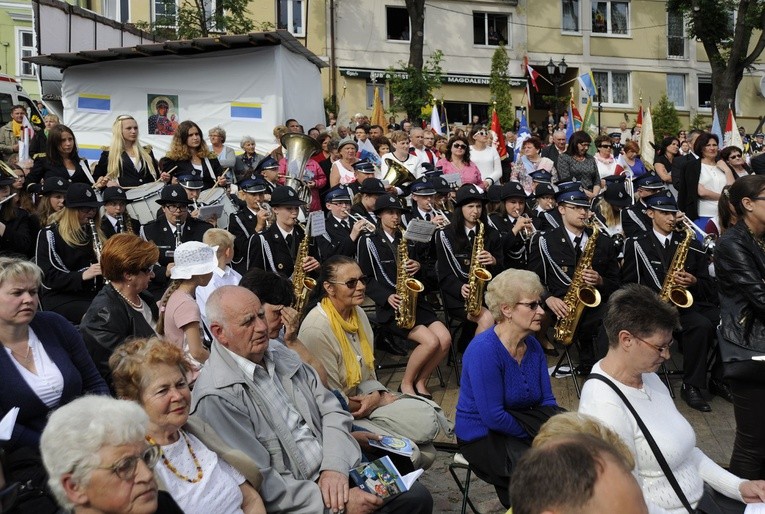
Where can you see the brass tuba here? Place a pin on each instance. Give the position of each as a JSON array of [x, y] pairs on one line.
[[300, 148], [670, 291], [478, 276], [398, 174], [407, 288], [302, 285], [579, 294]]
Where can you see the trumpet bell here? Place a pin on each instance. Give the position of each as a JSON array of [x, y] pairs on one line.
[[300, 148], [681, 297], [397, 174], [589, 296]]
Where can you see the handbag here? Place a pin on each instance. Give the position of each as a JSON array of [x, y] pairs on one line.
[[711, 502], [532, 418]]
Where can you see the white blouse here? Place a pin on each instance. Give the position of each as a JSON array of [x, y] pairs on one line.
[[218, 491], [712, 178], [48, 383]]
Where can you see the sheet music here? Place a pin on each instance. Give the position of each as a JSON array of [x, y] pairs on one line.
[[419, 231], [318, 224], [454, 179]]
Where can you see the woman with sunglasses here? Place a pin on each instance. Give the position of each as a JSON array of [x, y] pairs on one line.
[[504, 368], [485, 156], [732, 158], [577, 165], [126, 163], [124, 308], [457, 160], [604, 158], [66, 253]]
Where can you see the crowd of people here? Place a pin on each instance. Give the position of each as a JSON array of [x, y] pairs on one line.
[[165, 359]]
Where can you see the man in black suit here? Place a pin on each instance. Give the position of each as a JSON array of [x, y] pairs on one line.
[[558, 147], [648, 258], [276, 248], [758, 164], [635, 219], [164, 233], [251, 219], [116, 219], [554, 256]]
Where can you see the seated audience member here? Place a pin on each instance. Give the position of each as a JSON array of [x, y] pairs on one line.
[[123, 308], [199, 471], [639, 327], [222, 241], [504, 371], [99, 462], [590, 476], [179, 318], [337, 331], [300, 440], [44, 363], [277, 296]]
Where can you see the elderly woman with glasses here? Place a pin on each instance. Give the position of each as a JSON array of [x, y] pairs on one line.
[[123, 308], [196, 467], [99, 461], [639, 327], [504, 369], [456, 159]]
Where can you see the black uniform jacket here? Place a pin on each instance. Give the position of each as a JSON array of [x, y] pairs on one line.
[[635, 220], [211, 169], [514, 248], [130, 176], [269, 251], [43, 169]]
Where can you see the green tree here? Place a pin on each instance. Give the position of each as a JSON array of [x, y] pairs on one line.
[[727, 44], [412, 88], [499, 88], [699, 122], [665, 119], [200, 18]]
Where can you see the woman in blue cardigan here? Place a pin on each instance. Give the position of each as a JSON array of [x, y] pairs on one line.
[[43, 362], [503, 368]]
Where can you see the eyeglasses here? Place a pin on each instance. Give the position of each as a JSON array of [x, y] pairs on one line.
[[459, 145], [175, 207], [735, 157], [660, 349], [604, 146], [481, 133], [532, 305], [755, 198], [148, 270], [125, 469], [353, 282]]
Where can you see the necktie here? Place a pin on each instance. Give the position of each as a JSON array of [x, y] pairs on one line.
[[666, 243], [118, 227], [345, 225], [471, 236], [427, 216], [578, 247], [290, 239]]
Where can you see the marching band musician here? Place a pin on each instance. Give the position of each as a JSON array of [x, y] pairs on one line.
[[554, 256], [276, 248], [423, 208], [252, 218], [188, 152], [343, 231], [126, 163], [454, 247], [609, 208], [162, 232], [635, 220], [378, 255], [67, 256], [366, 198], [515, 228], [540, 176], [18, 230], [647, 260], [544, 213], [62, 160], [116, 219], [268, 170], [362, 170]]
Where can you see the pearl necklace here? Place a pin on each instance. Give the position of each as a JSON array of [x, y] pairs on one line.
[[136, 306], [172, 468]]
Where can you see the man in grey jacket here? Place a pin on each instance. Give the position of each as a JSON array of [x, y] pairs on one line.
[[261, 399]]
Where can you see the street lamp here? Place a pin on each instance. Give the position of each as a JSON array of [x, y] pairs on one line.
[[556, 73]]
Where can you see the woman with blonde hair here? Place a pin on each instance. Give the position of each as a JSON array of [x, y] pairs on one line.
[[126, 163], [189, 155], [66, 253]]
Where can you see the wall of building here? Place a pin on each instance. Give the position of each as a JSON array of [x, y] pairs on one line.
[[16, 17]]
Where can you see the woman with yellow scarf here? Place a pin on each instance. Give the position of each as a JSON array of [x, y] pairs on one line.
[[337, 332]]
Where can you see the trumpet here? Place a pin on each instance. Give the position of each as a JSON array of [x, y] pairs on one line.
[[267, 208], [368, 225], [439, 212], [527, 232], [708, 240]]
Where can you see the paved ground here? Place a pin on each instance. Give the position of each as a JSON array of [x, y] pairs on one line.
[[714, 434]]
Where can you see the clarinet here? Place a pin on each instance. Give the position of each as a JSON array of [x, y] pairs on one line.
[[123, 227], [96, 242], [177, 233]]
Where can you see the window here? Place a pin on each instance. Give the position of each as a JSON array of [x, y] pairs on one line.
[[676, 89], [291, 16], [610, 17], [6, 102], [398, 26], [491, 29], [615, 86], [371, 94], [165, 13], [675, 35], [26, 48], [117, 10], [570, 15], [705, 91], [459, 112]]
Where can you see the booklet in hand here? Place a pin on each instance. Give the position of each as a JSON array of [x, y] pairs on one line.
[[379, 477], [397, 445]]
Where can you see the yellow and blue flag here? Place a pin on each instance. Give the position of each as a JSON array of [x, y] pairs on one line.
[[250, 111], [89, 102]]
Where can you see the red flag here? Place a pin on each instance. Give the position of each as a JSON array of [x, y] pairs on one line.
[[534, 75], [497, 129], [639, 121], [577, 117]]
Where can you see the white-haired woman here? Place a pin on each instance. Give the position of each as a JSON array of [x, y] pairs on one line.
[[96, 455], [126, 163], [226, 156], [503, 368], [245, 164]]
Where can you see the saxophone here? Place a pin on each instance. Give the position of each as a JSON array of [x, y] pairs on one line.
[[670, 291], [407, 288], [302, 285], [478, 276], [97, 247], [579, 294]]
